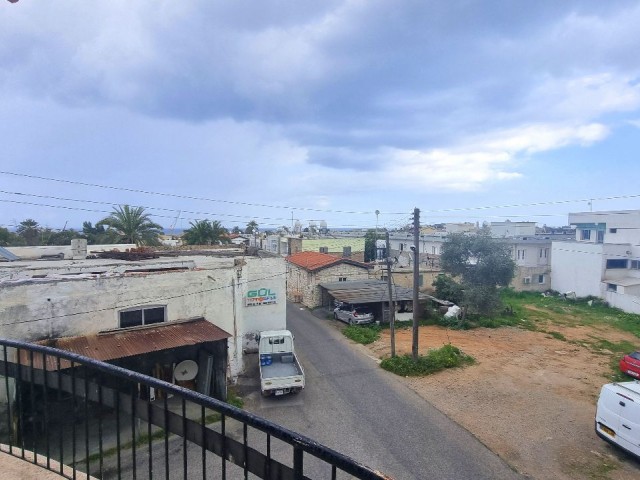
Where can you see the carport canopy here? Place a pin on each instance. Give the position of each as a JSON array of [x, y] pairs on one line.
[[370, 291]]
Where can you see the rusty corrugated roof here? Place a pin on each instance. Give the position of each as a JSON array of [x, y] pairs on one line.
[[130, 342]]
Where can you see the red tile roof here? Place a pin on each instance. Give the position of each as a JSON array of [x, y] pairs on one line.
[[313, 261], [130, 342]]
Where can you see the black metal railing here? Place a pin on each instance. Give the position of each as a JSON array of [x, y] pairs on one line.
[[79, 417]]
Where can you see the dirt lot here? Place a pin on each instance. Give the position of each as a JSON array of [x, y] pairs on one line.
[[530, 397]]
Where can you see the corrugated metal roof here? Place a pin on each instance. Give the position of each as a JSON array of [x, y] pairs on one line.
[[7, 255], [369, 291], [127, 343]]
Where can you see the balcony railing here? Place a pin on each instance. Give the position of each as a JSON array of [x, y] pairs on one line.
[[82, 417]]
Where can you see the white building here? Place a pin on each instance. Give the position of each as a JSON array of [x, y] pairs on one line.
[[532, 255], [68, 302], [509, 229], [604, 259]]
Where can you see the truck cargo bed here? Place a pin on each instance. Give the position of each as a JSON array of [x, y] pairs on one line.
[[278, 369]]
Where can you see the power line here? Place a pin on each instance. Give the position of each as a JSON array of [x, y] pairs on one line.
[[353, 212], [189, 197], [153, 214]]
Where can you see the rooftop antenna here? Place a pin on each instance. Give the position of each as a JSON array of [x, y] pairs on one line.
[[173, 227]]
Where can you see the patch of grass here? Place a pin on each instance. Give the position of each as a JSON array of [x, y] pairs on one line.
[[596, 469], [362, 334], [618, 348], [435, 360], [558, 336]]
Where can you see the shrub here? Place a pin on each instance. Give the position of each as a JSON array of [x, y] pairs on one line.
[[362, 334], [435, 360]]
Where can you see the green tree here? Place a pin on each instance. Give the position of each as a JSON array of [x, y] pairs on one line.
[[10, 239], [205, 232], [63, 237], [95, 235], [132, 225], [448, 289], [370, 245], [30, 231], [482, 264], [252, 227]]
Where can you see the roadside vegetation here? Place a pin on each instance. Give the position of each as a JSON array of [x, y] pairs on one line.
[[434, 361], [362, 334], [548, 314]]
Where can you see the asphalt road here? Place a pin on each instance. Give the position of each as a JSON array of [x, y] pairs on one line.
[[353, 406]]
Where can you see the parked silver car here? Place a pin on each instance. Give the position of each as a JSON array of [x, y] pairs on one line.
[[353, 315]]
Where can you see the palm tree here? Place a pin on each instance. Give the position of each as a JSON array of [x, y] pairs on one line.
[[205, 232], [29, 230], [252, 227], [132, 225]]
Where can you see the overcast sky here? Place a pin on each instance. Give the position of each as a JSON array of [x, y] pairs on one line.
[[318, 110]]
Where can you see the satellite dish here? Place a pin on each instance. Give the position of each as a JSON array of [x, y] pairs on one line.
[[185, 370]]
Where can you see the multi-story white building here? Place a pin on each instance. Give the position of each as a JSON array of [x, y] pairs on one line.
[[604, 259]]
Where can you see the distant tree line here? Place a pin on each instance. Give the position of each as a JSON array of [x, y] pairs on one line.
[[125, 224]]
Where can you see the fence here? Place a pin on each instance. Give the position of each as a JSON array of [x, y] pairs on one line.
[[83, 417]]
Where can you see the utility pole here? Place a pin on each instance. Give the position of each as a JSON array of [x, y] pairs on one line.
[[392, 303], [416, 280]]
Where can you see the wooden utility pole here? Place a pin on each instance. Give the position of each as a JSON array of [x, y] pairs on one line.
[[392, 303], [416, 280]]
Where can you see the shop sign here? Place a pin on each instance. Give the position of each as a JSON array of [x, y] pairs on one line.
[[261, 296]]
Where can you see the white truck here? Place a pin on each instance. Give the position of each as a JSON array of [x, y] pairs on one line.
[[280, 370]]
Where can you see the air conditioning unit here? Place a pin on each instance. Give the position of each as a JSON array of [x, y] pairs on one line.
[[526, 280]]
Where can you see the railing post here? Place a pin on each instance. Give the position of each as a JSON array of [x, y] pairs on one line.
[[297, 462]]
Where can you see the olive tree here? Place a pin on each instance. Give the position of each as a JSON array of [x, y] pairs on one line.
[[480, 264]]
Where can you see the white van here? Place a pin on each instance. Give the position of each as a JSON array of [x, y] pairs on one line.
[[618, 415]]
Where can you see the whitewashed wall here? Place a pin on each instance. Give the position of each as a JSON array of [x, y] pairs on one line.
[[38, 251], [215, 291], [577, 267]]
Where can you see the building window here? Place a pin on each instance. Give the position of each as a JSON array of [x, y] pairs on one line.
[[433, 250], [617, 263], [342, 279], [402, 247], [420, 280], [613, 230], [526, 280], [544, 252], [612, 287], [635, 264], [541, 279], [135, 317], [585, 234], [521, 254]]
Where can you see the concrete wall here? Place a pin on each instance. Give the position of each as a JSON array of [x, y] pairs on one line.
[[577, 267], [622, 300], [216, 291], [26, 253]]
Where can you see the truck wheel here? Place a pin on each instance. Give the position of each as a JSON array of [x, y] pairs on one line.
[[265, 393], [335, 316]]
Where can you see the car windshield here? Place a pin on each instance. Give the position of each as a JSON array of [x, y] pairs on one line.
[[635, 355]]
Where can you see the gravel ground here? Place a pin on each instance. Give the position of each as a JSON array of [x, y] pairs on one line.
[[530, 397]]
